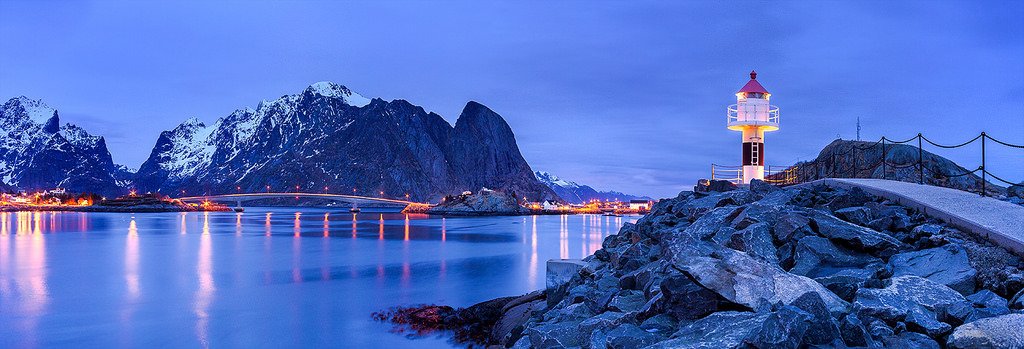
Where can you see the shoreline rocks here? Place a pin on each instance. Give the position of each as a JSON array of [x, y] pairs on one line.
[[781, 268], [485, 202]]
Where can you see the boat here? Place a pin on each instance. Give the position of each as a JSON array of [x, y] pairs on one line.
[[355, 210]]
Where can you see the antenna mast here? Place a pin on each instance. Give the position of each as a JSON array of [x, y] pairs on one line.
[[858, 127]]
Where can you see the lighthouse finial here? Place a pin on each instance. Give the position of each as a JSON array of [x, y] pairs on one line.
[[753, 75]]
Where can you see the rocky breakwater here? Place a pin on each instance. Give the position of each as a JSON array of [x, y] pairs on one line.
[[485, 202], [771, 268]]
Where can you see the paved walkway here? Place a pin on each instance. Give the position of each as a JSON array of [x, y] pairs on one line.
[[998, 221]]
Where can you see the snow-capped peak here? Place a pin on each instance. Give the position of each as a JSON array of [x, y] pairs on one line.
[[550, 179], [36, 111], [330, 89]]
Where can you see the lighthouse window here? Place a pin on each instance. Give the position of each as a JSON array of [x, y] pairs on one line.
[[755, 95]]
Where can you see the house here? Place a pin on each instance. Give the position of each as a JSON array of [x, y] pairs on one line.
[[640, 205]]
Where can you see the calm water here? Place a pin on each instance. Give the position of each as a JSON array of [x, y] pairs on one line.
[[270, 277]]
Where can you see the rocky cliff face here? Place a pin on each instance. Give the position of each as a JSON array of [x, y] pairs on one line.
[[579, 193], [839, 159], [37, 152], [328, 138]]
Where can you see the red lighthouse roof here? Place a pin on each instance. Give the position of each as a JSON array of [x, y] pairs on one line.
[[753, 85]]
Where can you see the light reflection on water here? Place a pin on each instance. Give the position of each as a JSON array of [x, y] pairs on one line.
[[266, 277]]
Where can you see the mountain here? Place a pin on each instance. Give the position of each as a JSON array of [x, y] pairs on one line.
[[578, 193], [839, 159], [330, 137], [37, 152]]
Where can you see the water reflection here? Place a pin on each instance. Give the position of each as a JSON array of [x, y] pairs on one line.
[[190, 297], [204, 294]]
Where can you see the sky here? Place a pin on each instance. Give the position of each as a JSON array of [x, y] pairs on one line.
[[623, 95]]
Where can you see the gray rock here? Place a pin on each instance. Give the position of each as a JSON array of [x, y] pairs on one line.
[[762, 188], [857, 215], [523, 343], [714, 185], [987, 304], [560, 334], [629, 336], [792, 226], [845, 282], [601, 322], [742, 279], [1016, 190], [902, 295], [947, 265], [851, 198], [822, 328], [855, 236], [784, 328], [895, 222], [660, 324], [726, 329], [687, 300], [923, 321], [515, 314], [817, 257], [627, 301], [854, 332], [755, 240], [995, 332], [910, 340], [1017, 302]]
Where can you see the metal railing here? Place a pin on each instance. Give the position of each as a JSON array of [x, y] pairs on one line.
[[830, 167], [733, 115]]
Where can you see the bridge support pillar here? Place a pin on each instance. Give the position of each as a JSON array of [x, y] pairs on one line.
[[238, 203]]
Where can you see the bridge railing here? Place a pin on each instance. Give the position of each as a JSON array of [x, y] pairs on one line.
[[838, 165]]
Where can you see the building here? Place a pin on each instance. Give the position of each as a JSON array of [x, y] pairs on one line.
[[640, 205], [753, 116]]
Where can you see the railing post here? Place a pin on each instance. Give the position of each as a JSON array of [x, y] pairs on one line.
[[983, 170], [832, 173], [854, 161], [816, 169], [920, 160], [885, 169]]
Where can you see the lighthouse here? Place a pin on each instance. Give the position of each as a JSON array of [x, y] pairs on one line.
[[753, 116]]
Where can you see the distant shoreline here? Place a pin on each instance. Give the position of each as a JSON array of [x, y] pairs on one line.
[[113, 209]]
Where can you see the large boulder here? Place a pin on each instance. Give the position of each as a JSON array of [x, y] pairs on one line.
[[1005, 331], [854, 236], [553, 334], [822, 327], [784, 328], [903, 294], [713, 185], [629, 336], [840, 270], [755, 240], [947, 265], [746, 280], [686, 300], [726, 329]]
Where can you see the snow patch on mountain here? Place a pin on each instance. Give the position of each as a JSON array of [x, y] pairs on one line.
[[330, 89], [580, 193]]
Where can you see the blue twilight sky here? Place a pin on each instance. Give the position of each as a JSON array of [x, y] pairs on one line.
[[624, 95]]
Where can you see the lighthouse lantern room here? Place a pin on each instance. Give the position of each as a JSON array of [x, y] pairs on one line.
[[753, 116]]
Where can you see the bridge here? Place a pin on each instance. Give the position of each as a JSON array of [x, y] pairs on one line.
[[239, 198]]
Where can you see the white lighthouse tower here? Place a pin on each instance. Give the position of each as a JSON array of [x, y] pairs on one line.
[[753, 116]]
